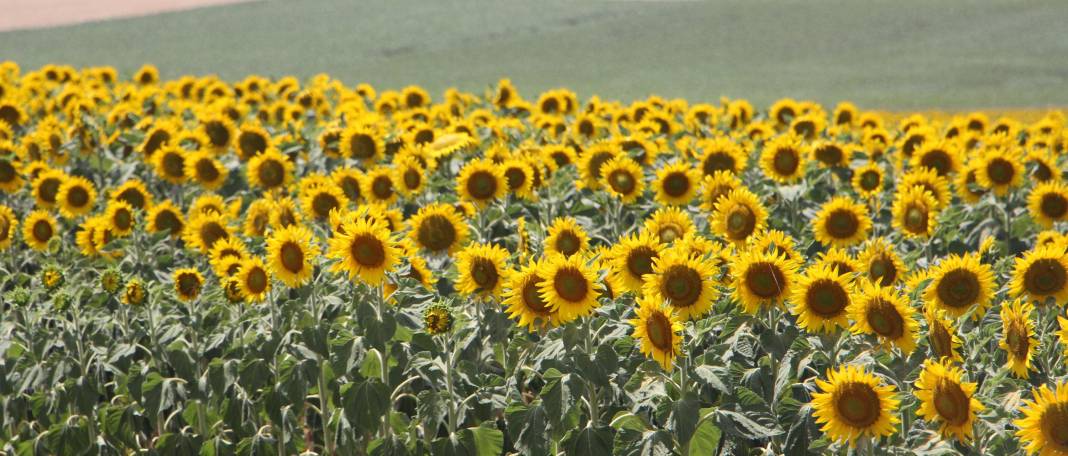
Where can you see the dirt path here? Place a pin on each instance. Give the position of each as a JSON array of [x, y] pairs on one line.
[[26, 14]]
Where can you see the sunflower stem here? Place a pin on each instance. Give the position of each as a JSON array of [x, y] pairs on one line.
[[591, 389]]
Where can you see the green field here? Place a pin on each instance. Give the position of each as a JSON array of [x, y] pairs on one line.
[[881, 54]]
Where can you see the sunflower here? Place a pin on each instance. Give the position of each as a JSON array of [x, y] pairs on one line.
[[777, 242], [675, 184], [660, 331], [365, 250], [8, 227], [623, 178], [481, 182], [1042, 273], [821, 300], [1000, 170], [569, 286], [762, 278], [841, 222], [592, 160], [885, 313], [169, 164], [942, 335], [1044, 426], [319, 202], [10, 172], [941, 156], [76, 196], [437, 319], [783, 159], [252, 140], [668, 224], [868, 180], [738, 216], [204, 231], [134, 293], [1018, 336], [46, 187], [350, 181], [362, 142], [717, 186], [832, 154], [38, 228], [187, 283], [1048, 203], [566, 237], [853, 404], [946, 399], [438, 228], [483, 270], [134, 193], [631, 260], [269, 170], [914, 212], [524, 300], [409, 174], [722, 154], [120, 218], [219, 129], [254, 279], [960, 284], [165, 217], [838, 259], [205, 169], [967, 184], [1045, 166], [290, 252]]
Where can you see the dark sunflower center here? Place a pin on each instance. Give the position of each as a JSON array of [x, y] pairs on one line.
[[133, 198], [42, 231], [843, 118], [740, 223], [424, 136], [210, 233], [682, 285], [206, 171], [188, 285], [941, 341], [217, 133], [765, 280], [382, 187], [958, 288], [805, 128], [661, 334], [937, 160], [786, 161], [571, 285], [1043, 173], [271, 173], [436, 233], [858, 405], [7, 171], [668, 233], [251, 144], [363, 146], [78, 196], [351, 187], [597, 161], [826, 298], [167, 220], [952, 404], [122, 219], [516, 178], [718, 161], [621, 181], [368, 251], [842, 224], [841, 267], [1054, 205], [292, 256], [869, 181], [1000, 171], [5, 228], [1016, 339], [1045, 277], [323, 203], [885, 320], [676, 184], [484, 273], [48, 190], [482, 185], [532, 298], [155, 140], [256, 281], [640, 261], [911, 144], [1055, 424], [830, 154], [568, 243], [916, 218]]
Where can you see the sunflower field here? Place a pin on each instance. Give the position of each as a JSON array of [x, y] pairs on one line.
[[277, 266]]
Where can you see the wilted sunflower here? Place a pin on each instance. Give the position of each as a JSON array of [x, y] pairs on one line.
[[659, 329], [722, 154], [1042, 273], [881, 263], [946, 399], [675, 184], [437, 319], [623, 178], [1048, 203], [569, 286], [253, 279], [365, 250], [783, 159], [165, 217], [76, 196], [290, 252], [842, 222], [269, 170], [1044, 426], [38, 228], [884, 312], [960, 284], [524, 302], [120, 218], [821, 300], [631, 260], [566, 237], [668, 224], [438, 228], [868, 180], [854, 404], [203, 168], [762, 278], [1018, 336], [738, 216], [187, 283], [1000, 170], [481, 182], [134, 293], [483, 270]]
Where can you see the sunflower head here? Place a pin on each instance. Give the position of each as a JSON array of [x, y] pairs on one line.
[[566, 237], [738, 216], [290, 253], [884, 313], [1044, 425], [483, 270], [134, 293], [1048, 203], [960, 284], [438, 228], [188, 283], [631, 259], [524, 301], [1042, 274], [842, 222], [783, 159], [437, 319], [622, 177], [762, 278], [1018, 336], [569, 286], [660, 331], [854, 404], [946, 399], [364, 251], [821, 300]]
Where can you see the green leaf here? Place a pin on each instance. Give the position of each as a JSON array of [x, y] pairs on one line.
[[70, 437], [706, 437], [179, 444], [592, 441], [483, 441], [365, 403], [526, 426], [738, 424], [684, 415], [556, 395]]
